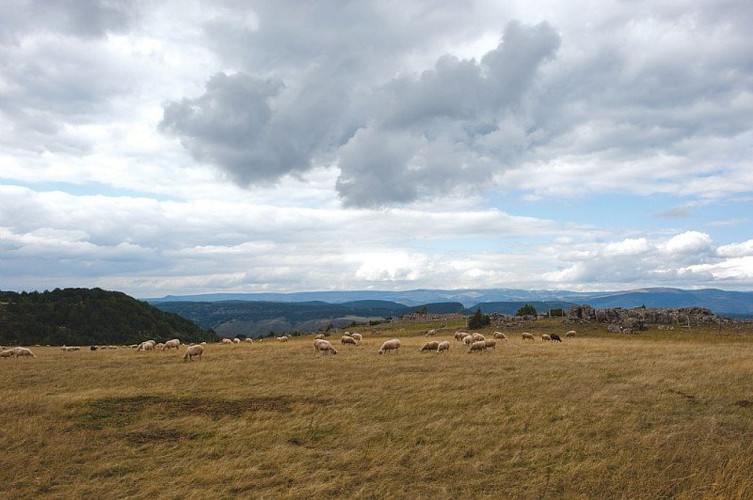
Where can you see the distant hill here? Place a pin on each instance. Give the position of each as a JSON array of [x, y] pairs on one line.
[[513, 307], [719, 301], [81, 316]]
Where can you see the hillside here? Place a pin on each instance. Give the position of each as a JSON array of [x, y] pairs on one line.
[[80, 316], [260, 318]]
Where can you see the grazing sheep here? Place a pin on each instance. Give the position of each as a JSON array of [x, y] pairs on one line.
[[8, 354], [443, 346], [500, 335], [319, 336], [284, 338], [69, 348], [545, 337], [390, 345], [431, 333], [527, 336], [347, 339], [249, 339], [236, 340], [324, 346], [491, 344], [430, 346], [571, 333], [468, 340], [171, 344], [555, 338], [460, 335], [478, 337], [478, 346], [193, 351], [146, 346], [23, 351], [357, 336]]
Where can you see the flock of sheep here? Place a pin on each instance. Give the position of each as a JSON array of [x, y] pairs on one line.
[[475, 342]]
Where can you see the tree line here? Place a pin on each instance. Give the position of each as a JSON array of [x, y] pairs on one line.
[[83, 316]]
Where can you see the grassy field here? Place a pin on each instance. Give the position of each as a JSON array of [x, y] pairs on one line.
[[655, 415]]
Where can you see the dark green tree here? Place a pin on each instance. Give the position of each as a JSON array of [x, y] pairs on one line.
[[478, 320], [526, 310]]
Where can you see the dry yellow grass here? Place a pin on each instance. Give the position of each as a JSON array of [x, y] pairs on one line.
[[656, 415]]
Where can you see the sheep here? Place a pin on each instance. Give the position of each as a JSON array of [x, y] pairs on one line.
[[159, 346], [468, 339], [226, 341], [478, 337], [500, 335], [193, 351], [431, 333], [430, 346], [357, 336], [236, 340], [347, 339], [319, 336], [249, 339], [459, 336], [283, 338], [324, 346], [69, 348], [146, 346], [571, 333], [478, 346], [491, 344], [390, 345], [443, 346], [10, 353], [555, 338], [545, 337], [23, 351], [171, 344], [527, 336]]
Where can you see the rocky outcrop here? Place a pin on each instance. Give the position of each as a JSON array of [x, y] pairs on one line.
[[620, 320]]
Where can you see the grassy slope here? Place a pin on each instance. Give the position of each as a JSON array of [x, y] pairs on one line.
[[647, 416]]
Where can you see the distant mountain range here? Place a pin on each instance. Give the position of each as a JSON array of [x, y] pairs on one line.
[[256, 314], [719, 301]]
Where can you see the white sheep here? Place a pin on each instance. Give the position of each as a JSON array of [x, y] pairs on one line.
[[459, 336], [545, 337], [491, 344], [443, 346], [236, 340], [226, 341], [479, 346], [390, 345], [431, 333], [193, 351], [249, 339], [147, 345], [171, 344], [69, 348], [284, 338], [347, 339], [527, 336], [478, 337], [468, 339], [319, 336], [324, 346], [571, 333], [10, 353], [430, 346], [500, 335], [357, 336], [23, 351]]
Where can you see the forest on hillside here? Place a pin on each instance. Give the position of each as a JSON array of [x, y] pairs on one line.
[[81, 316]]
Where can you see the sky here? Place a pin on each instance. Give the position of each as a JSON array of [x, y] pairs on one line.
[[190, 146]]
